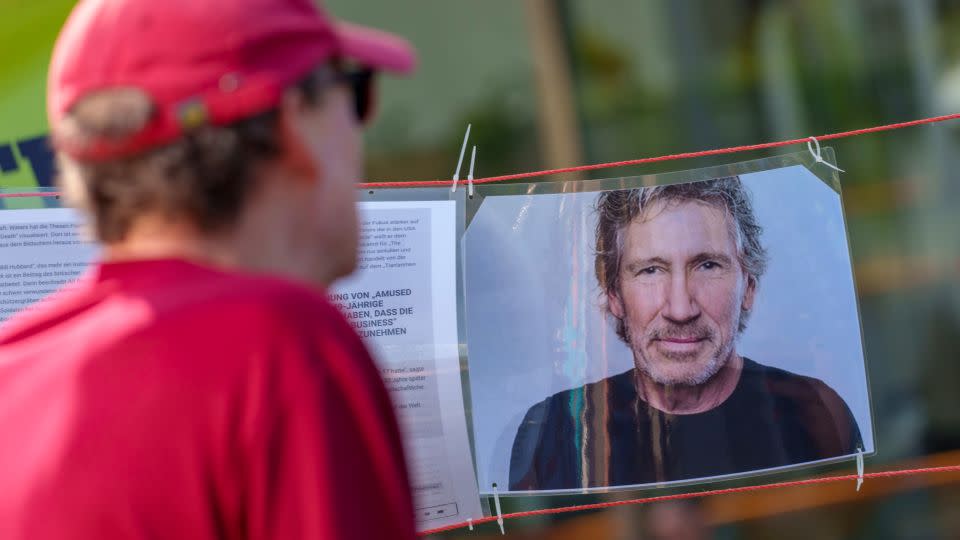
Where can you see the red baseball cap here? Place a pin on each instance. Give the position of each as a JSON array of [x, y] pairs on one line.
[[214, 60]]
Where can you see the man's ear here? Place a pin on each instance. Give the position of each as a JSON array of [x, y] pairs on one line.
[[615, 304], [295, 155], [749, 293]]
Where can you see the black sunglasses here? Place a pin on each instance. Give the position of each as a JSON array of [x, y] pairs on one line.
[[358, 80]]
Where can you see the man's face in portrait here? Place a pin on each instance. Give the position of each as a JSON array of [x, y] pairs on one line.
[[682, 291]]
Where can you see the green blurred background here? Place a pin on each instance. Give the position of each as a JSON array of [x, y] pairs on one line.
[[552, 83]]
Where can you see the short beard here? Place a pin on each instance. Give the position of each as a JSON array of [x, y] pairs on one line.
[[714, 364]]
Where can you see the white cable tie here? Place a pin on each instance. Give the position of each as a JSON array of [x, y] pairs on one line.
[[859, 467], [463, 148], [470, 523], [496, 502], [473, 158], [819, 158]]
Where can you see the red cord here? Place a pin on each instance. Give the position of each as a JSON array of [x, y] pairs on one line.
[[697, 494], [685, 155]]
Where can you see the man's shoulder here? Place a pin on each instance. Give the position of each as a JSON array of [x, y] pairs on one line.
[[782, 379], [792, 388], [219, 287], [807, 405], [260, 311], [565, 403], [200, 309], [248, 295], [228, 307], [545, 441]]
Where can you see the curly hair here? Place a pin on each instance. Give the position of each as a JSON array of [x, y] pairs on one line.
[[617, 209]]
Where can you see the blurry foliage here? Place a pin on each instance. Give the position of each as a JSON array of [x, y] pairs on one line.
[[504, 132]]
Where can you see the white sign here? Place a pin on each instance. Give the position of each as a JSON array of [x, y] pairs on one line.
[[40, 252], [403, 301]]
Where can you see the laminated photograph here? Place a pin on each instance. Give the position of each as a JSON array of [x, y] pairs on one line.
[[658, 330]]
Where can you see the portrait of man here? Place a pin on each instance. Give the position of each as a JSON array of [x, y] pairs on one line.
[[679, 269]]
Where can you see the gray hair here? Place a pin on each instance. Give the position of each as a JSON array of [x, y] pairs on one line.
[[617, 209]]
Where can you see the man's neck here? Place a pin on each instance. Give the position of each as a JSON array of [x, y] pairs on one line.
[[254, 245], [683, 399], [150, 240]]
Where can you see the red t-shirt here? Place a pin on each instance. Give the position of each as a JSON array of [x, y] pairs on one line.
[[163, 399]]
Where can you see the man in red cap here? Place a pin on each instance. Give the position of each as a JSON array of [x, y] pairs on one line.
[[197, 383]]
